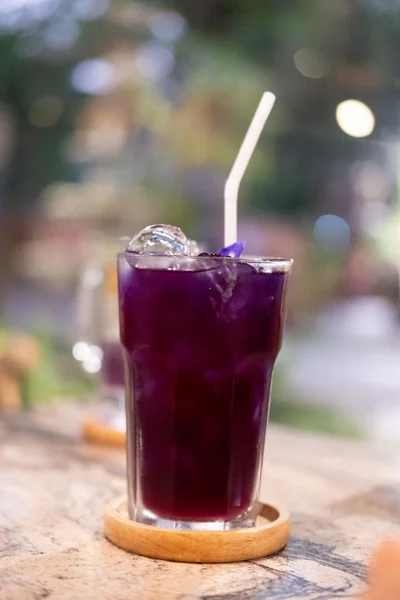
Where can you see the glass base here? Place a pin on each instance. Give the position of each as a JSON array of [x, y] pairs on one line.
[[147, 517]]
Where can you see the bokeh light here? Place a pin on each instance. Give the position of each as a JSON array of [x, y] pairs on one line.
[[90, 356], [16, 15], [94, 76], [370, 181], [89, 10], [355, 118], [167, 26], [311, 63], [92, 278], [154, 61], [92, 364], [332, 230], [62, 35], [80, 351]]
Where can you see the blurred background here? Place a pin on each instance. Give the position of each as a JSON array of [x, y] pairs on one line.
[[115, 114]]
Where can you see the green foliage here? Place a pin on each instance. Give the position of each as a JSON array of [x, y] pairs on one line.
[[231, 52], [47, 383], [313, 418], [57, 375]]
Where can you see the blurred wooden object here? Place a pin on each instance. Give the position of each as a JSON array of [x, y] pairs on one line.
[[10, 393], [97, 432], [384, 575], [270, 535], [21, 354]]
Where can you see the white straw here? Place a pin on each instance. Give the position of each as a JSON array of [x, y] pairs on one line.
[[239, 166]]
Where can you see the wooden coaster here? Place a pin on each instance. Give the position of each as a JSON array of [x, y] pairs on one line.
[[96, 432], [268, 536]]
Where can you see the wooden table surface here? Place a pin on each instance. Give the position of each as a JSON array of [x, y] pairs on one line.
[[344, 497]]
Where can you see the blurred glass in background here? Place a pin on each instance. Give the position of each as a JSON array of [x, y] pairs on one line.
[[115, 114]]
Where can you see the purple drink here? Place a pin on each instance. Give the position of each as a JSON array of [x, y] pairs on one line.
[[200, 341]]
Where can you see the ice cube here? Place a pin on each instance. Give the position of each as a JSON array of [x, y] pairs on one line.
[[152, 261], [167, 238], [168, 262]]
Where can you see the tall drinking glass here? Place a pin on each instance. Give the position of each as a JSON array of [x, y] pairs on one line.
[[200, 338]]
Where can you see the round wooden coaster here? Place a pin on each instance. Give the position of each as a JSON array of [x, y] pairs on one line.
[[268, 536], [97, 432]]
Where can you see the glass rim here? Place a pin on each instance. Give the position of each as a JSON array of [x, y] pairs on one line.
[[276, 263]]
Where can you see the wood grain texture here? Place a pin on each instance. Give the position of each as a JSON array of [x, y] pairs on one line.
[[269, 536], [343, 498]]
